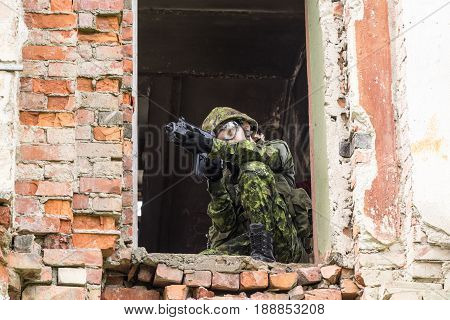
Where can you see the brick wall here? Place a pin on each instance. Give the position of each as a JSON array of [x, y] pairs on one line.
[[136, 275], [73, 185]]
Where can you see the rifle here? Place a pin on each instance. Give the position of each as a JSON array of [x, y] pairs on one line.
[[177, 130]]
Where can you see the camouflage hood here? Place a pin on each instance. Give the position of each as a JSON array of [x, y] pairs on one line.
[[220, 115]]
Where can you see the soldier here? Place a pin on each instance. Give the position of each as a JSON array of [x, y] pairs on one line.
[[255, 209]]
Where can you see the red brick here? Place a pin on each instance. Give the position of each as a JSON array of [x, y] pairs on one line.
[[48, 119], [68, 37], [61, 5], [251, 280], [62, 69], [107, 204], [100, 185], [103, 37], [166, 275], [85, 84], [200, 293], [127, 199], [65, 226], [32, 292], [61, 87], [5, 216], [127, 50], [140, 293], [349, 289], [127, 215], [47, 152], [88, 240], [127, 163], [32, 135], [225, 281], [32, 101], [269, 296], [59, 207], [309, 275], [57, 241], [107, 133], [84, 116], [283, 281], [127, 18], [107, 85], [47, 53], [27, 262], [126, 98], [107, 23], [127, 33], [35, 5], [37, 224], [94, 276], [61, 103], [331, 273], [127, 115], [80, 201], [73, 257], [50, 21], [198, 279], [323, 294], [127, 82], [26, 188], [127, 148], [94, 223], [26, 206], [110, 5], [128, 65], [146, 273], [44, 277], [48, 188], [176, 292], [109, 52], [4, 276], [26, 84]]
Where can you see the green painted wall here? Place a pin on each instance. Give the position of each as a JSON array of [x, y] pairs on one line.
[[318, 127]]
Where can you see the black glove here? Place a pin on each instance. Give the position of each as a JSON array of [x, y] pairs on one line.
[[213, 169], [196, 142]]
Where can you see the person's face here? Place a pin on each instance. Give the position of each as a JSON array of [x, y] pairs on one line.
[[232, 132]]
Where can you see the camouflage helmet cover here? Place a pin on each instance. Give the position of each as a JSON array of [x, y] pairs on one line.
[[220, 115]]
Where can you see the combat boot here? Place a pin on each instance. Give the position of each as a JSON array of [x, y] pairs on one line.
[[261, 243]]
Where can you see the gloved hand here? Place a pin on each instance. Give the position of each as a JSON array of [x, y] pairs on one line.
[[196, 143], [213, 169]]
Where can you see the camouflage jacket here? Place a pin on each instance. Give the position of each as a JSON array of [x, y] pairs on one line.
[[225, 210]]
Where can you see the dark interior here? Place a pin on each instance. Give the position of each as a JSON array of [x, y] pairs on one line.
[[194, 55]]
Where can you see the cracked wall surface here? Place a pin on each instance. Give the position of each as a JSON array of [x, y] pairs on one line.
[[11, 38], [378, 110]]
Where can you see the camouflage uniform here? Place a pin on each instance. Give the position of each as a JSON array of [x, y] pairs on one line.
[[257, 187]]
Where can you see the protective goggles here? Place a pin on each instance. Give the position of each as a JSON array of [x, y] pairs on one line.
[[230, 129]]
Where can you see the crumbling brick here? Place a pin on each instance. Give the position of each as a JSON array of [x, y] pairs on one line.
[[136, 293], [176, 292], [201, 293], [269, 296], [323, 294], [252, 280], [331, 273], [73, 257], [283, 281], [166, 275], [309, 275], [225, 281], [198, 279], [33, 292]]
